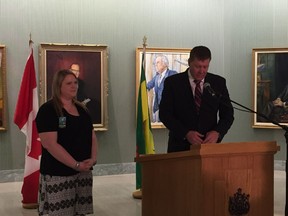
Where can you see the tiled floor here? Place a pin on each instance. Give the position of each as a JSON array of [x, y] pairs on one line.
[[113, 196]]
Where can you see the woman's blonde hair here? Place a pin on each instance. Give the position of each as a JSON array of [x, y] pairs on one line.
[[56, 91]]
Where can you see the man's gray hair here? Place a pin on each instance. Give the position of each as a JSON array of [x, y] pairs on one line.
[[164, 59]]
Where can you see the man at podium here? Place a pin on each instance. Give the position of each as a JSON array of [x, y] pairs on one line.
[[195, 104]]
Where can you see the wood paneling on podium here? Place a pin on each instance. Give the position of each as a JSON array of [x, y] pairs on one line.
[[199, 182]]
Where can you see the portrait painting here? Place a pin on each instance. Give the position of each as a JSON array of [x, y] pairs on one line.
[[270, 82], [89, 64], [3, 93], [159, 64]]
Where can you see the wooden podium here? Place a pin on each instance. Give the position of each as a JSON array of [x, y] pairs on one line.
[[200, 182]]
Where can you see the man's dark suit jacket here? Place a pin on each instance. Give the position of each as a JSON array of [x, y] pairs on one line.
[[178, 110]]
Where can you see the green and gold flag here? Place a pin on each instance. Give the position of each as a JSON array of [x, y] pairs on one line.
[[144, 137]]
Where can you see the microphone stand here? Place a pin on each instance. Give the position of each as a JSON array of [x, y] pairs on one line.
[[284, 127]]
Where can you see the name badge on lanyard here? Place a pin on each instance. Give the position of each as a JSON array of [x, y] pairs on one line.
[[62, 122]]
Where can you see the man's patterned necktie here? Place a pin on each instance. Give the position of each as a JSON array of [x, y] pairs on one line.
[[198, 94]]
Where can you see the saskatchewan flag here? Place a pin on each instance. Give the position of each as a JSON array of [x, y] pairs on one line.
[[144, 137]]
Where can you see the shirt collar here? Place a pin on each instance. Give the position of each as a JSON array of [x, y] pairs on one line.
[[191, 78]]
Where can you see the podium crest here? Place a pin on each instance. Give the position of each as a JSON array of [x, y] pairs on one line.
[[239, 203]]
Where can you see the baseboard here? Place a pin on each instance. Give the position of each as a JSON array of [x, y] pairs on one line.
[[101, 170], [98, 170], [279, 165]]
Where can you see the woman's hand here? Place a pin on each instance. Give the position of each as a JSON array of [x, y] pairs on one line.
[[85, 165]]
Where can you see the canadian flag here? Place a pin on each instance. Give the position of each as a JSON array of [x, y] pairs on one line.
[[24, 117]]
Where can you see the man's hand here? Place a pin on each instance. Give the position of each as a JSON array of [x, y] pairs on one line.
[[211, 137], [194, 137], [278, 102]]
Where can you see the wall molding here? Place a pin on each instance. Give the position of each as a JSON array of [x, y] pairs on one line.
[[101, 170]]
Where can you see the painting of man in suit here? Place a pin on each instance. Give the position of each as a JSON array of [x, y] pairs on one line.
[[87, 68], [157, 83], [3, 92], [160, 64], [92, 104], [272, 88]]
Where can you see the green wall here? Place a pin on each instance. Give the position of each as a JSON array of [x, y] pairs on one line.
[[229, 28]]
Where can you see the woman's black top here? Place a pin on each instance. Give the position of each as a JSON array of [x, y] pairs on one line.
[[74, 134]]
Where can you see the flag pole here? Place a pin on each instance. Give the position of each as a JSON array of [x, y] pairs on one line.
[[137, 194], [30, 41], [144, 46]]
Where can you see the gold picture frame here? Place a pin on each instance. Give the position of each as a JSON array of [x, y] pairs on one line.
[[178, 61], [270, 75], [91, 61], [3, 89]]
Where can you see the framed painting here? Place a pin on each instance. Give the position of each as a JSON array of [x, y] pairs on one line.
[[3, 92], [270, 87], [89, 63], [159, 62]]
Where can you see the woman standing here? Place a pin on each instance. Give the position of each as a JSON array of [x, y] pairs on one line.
[[69, 151]]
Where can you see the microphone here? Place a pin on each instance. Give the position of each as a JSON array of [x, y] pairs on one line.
[[208, 87]]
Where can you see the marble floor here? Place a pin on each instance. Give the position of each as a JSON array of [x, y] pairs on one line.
[[113, 196]]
